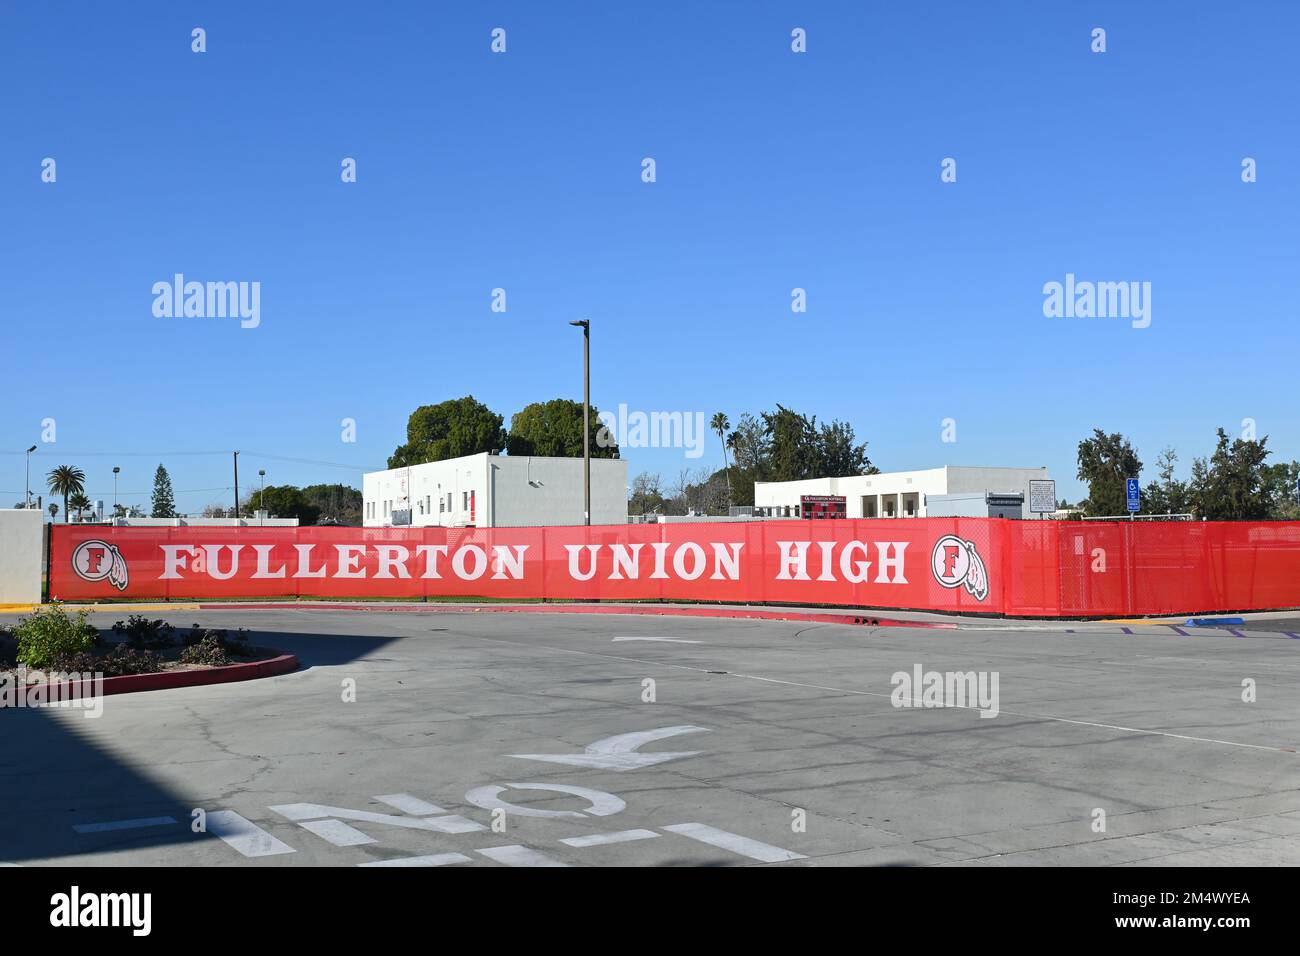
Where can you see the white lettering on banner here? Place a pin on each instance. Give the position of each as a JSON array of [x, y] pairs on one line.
[[793, 559], [304, 562], [831, 561], [213, 552], [264, 562]]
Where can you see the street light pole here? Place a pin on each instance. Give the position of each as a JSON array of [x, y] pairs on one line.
[[29, 475], [116, 469], [586, 414], [261, 504], [236, 486]]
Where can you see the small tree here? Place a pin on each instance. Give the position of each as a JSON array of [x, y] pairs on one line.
[[66, 481], [164, 505]]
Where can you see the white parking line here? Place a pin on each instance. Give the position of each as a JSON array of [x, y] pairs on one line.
[[742, 846], [412, 805], [659, 640], [123, 824], [437, 859], [602, 839], [337, 832], [519, 856], [243, 835]]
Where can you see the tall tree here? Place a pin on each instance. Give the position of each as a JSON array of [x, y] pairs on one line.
[[1166, 495], [283, 501], [66, 480], [450, 429], [839, 456], [1233, 484], [1280, 480], [336, 504], [646, 494], [719, 423], [1106, 462], [554, 429], [79, 503], [164, 505]]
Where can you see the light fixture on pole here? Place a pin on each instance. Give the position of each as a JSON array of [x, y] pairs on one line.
[[116, 469], [585, 325], [29, 475]]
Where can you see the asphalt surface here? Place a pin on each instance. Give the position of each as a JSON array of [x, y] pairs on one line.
[[786, 748]]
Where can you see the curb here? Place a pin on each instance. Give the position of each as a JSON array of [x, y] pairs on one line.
[[165, 680], [635, 609]]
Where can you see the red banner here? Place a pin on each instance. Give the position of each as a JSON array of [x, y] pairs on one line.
[[972, 565]]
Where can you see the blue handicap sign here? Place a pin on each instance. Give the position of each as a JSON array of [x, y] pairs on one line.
[[1134, 495]]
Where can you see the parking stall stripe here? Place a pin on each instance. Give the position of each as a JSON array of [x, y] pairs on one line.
[[122, 824], [741, 846], [602, 839], [243, 835], [409, 804], [437, 859], [519, 856], [336, 832]]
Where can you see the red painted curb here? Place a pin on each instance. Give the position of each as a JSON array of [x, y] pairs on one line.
[[820, 618], [164, 680]]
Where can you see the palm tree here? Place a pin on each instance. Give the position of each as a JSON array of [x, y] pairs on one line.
[[720, 425], [81, 503], [66, 480], [54, 511]]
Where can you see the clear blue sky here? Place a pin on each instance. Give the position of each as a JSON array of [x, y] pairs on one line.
[[522, 171]]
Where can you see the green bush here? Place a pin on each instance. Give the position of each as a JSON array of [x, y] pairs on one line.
[[144, 634], [121, 660], [50, 634], [8, 648]]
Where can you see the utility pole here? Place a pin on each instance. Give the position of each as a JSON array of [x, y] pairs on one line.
[[585, 324], [236, 486]]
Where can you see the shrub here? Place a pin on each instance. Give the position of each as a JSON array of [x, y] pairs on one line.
[[208, 650], [8, 648], [144, 634], [50, 634], [130, 660], [237, 646]]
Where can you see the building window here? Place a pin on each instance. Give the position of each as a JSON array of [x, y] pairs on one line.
[[464, 501], [441, 509], [428, 504]]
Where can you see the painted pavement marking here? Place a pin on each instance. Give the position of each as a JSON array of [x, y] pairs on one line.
[[657, 640], [243, 835], [437, 859], [620, 752], [603, 839], [111, 825], [518, 856], [742, 846]]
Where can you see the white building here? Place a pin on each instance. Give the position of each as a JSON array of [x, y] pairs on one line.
[[258, 519], [950, 490], [494, 491]]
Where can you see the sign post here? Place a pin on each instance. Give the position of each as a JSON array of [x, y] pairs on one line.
[[1042, 496], [1134, 496]]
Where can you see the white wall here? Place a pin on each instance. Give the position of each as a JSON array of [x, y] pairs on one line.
[[504, 491], [21, 532], [930, 481]]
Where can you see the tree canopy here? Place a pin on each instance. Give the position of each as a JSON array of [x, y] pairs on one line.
[[554, 429], [450, 429]]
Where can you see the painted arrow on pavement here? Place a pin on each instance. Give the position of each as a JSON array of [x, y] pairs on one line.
[[619, 752]]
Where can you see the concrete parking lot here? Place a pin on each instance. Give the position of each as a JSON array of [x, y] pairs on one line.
[[458, 738]]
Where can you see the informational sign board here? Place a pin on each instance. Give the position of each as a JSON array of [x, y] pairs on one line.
[[1042, 496], [1134, 494]]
